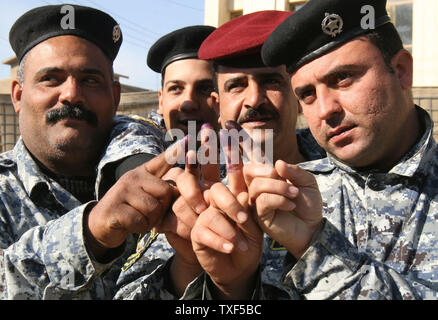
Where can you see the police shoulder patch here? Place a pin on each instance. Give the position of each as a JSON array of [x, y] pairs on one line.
[[149, 121]]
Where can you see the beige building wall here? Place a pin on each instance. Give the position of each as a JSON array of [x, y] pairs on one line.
[[425, 43], [5, 84], [216, 12], [249, 6]]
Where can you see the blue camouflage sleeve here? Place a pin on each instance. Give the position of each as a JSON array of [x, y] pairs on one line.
[[52, 262], [128, 137]]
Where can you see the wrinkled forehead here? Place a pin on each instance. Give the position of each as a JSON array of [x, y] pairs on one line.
[[67, 52]]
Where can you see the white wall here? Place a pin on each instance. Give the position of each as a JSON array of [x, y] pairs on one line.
[[425, 43]]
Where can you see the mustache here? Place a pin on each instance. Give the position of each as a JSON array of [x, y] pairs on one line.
[[261, 111], [68, 111]]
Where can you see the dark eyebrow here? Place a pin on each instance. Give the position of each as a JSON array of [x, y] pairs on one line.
[[300, 90], [58, 70], [258, 76], [233, 80], [341, 69], [48, 70], [332, 73], [173, 82]]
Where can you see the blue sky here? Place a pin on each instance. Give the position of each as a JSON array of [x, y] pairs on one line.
[[142, 23]]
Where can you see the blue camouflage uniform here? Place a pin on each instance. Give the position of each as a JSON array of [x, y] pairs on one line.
[[380, 236], [41, 222]]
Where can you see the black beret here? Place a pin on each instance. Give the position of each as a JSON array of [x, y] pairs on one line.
[[43, 23], [179, 44], [319, 27]]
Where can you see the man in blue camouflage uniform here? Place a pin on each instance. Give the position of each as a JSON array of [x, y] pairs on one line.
[[89, 141], [377, 235], [192, 96], [378, 185]]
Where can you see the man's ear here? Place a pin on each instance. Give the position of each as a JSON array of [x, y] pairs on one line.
[[215, 97], [402, 63], [16, 93], [160, 102]]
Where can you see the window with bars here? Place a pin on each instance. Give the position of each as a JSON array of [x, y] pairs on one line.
[[9, 131], [401, 12], [235, 14]]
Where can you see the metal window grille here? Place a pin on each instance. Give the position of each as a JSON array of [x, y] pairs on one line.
[[139, 109], [9, 131]]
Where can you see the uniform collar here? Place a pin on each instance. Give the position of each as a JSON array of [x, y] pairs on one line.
[[309, 148], [28, 171], [418, 158], [324, 165]]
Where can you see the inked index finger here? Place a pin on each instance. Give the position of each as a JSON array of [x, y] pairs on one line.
[[251, 150], [230, 147], [208, 155]]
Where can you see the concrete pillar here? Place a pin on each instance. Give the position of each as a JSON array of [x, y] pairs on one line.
[[424, 43], [216, 12]]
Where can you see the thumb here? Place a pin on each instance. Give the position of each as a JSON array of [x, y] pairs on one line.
[[158, 166], [296, 175], [162, 163]]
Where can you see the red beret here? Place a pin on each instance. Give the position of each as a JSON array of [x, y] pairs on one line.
[[241, 37]]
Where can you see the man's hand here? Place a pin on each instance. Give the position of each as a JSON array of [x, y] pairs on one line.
[[135, 204], [287, 202], [228, 244], [226, 239], [192, 184]]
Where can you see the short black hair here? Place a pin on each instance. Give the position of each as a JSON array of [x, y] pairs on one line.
[[388, 41]]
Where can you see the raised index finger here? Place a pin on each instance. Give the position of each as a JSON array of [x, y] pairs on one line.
[[252, 148], [208, 155], [230, 147]]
